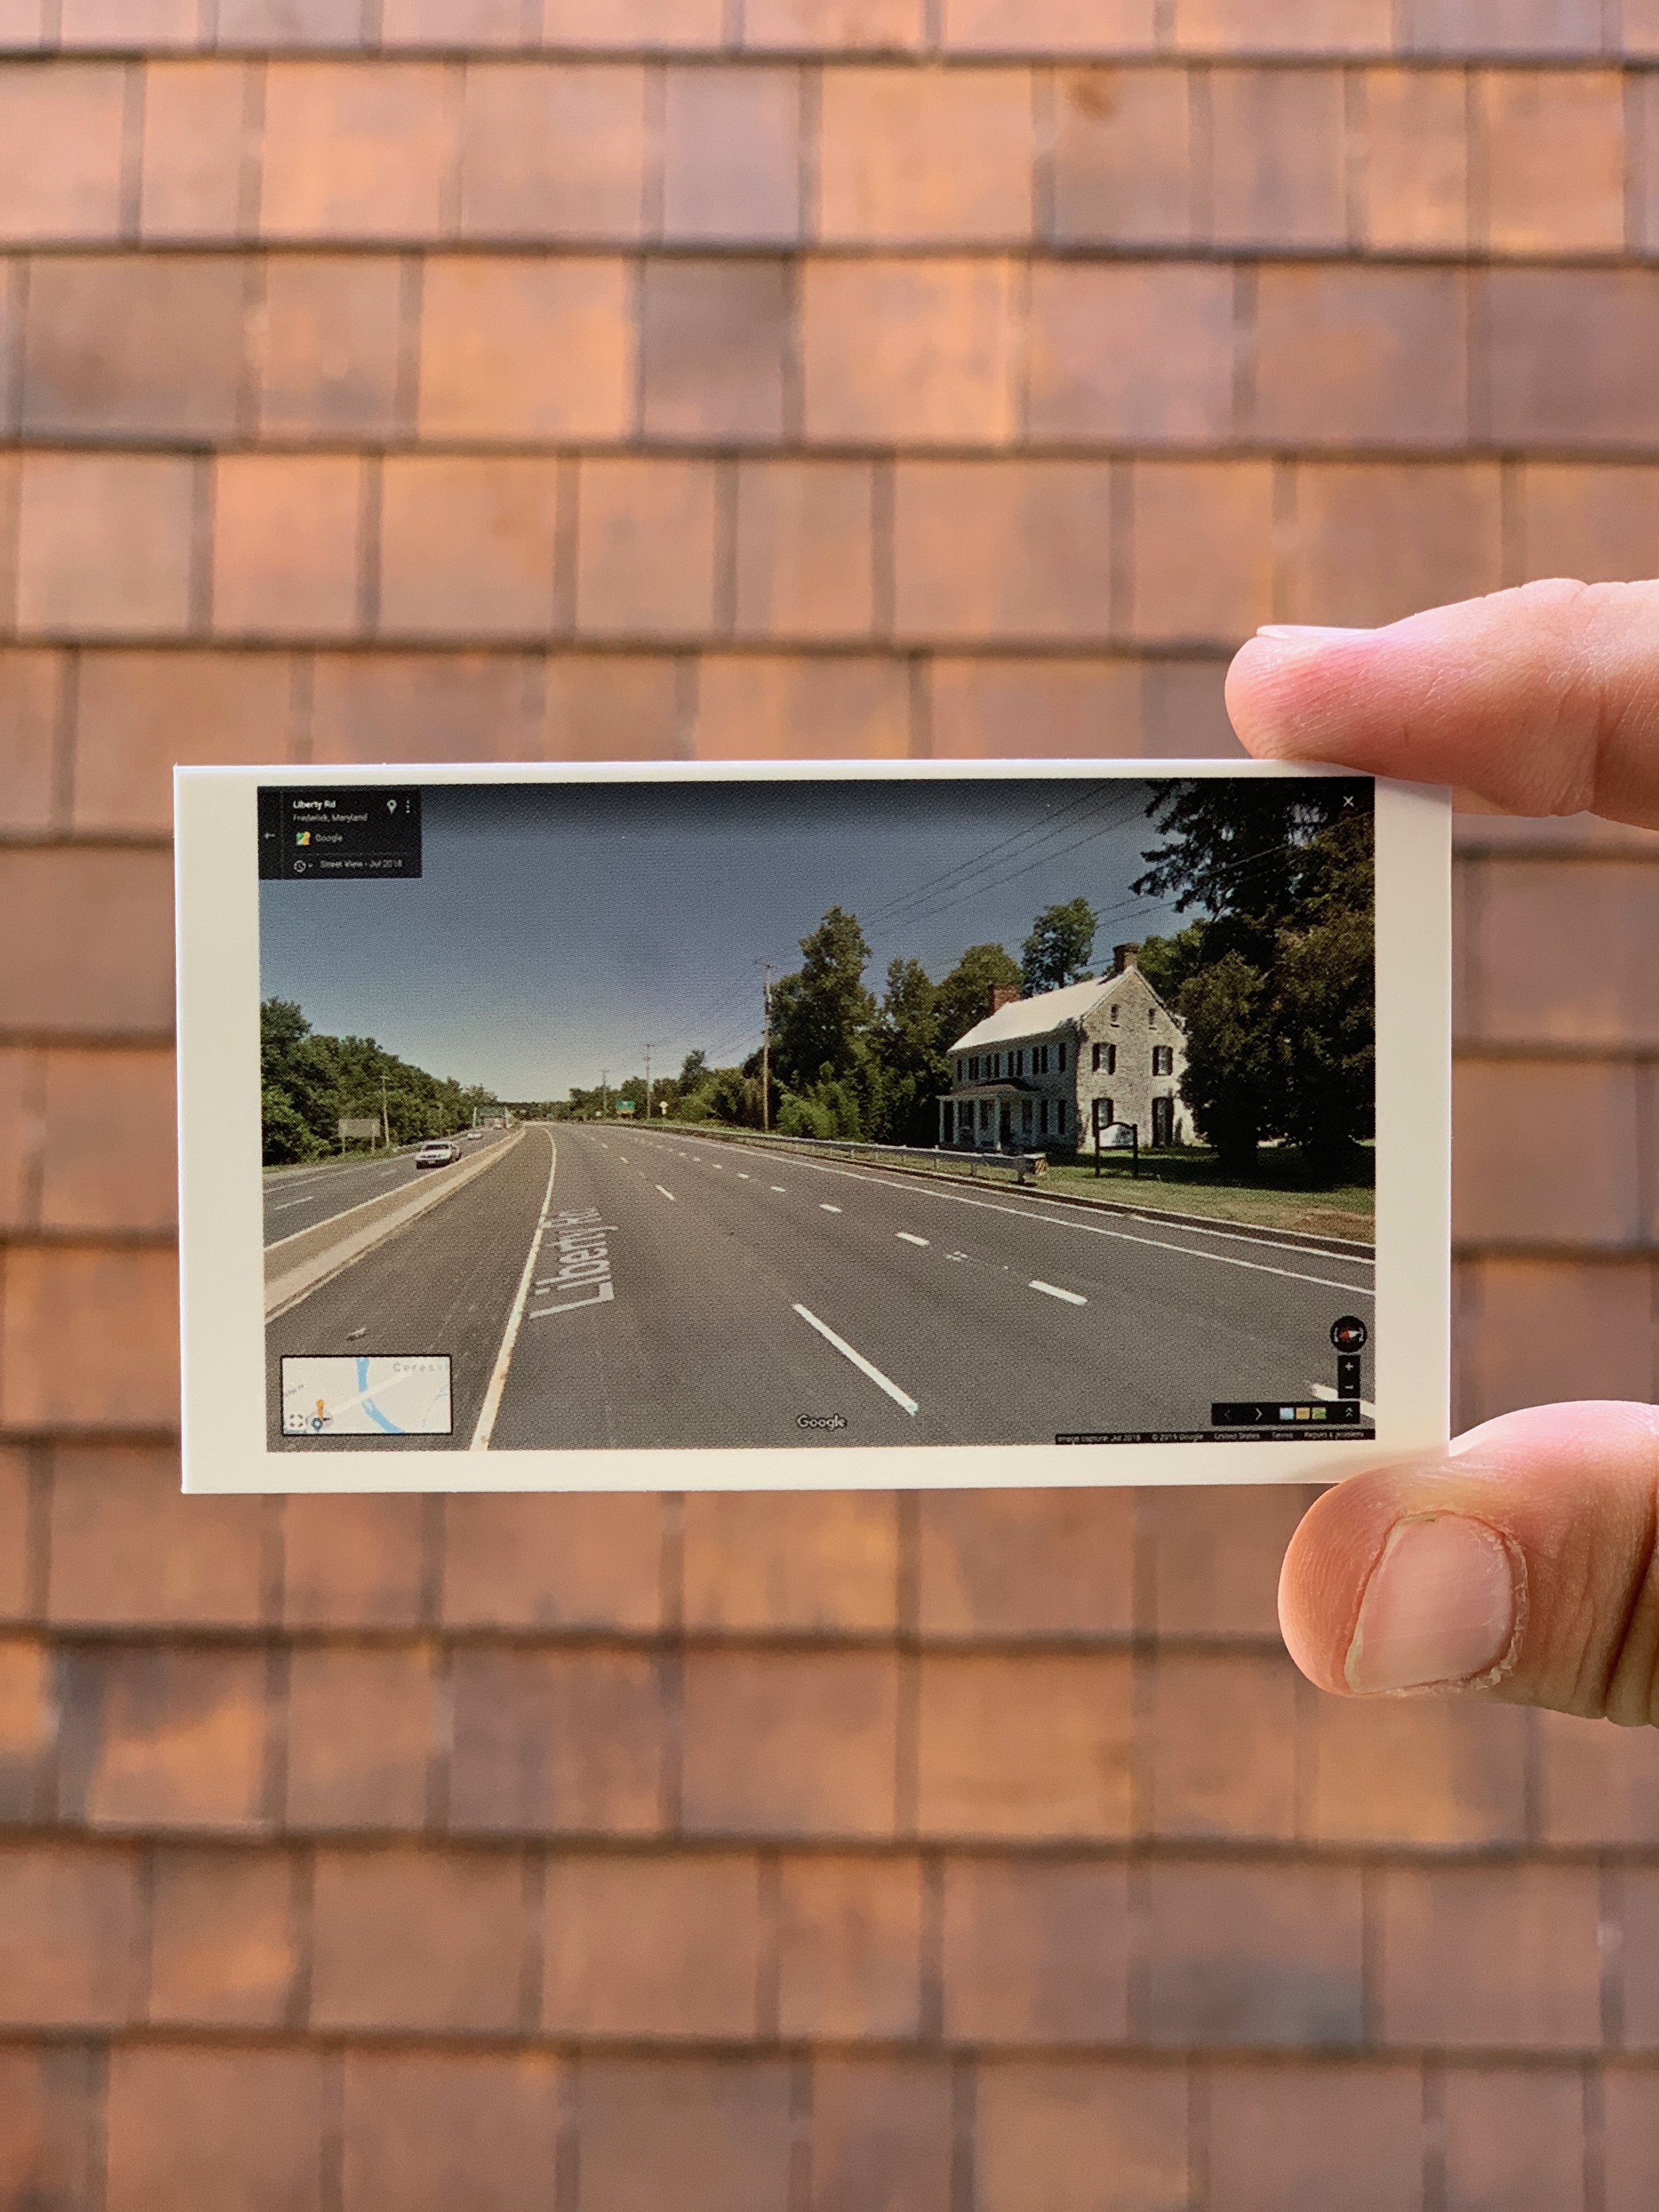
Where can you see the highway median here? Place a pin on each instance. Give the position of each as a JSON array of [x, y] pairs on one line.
[[301, 1263]]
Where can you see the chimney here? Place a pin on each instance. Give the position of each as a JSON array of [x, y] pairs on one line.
[[1125, 957], [1004, 994]]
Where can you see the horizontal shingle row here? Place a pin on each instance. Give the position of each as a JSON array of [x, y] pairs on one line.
[[187, 2124], [689, 1738], [1509, 162], [1143, 555], [731, 1947], [534, 353], [1544, 28]]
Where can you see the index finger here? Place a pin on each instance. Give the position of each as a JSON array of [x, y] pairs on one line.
[[1544, 700]]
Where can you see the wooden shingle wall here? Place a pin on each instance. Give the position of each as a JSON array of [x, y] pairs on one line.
[[467, 378]]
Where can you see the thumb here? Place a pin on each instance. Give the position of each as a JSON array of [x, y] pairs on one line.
[[1519, 1566]]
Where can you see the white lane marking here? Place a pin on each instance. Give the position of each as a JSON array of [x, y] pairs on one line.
[[828, 1209], [778, 1187], [915, 1185], [1053, 1291], [742, 1177], [669, 1195], [1333, 1397], [881, 1380], [905, 1237], [492, 1402], [289, 1203]]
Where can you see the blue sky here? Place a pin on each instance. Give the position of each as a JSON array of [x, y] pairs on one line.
[[556, 928]]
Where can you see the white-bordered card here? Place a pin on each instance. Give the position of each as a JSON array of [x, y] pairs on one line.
[[829, 1125]]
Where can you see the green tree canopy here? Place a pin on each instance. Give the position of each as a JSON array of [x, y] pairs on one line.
[[822, 1014], [964, 997], [1276, 984], [309, 1083], [1059, 947]]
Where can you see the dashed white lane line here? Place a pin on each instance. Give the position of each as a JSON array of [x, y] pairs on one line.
[[742, 1177], [905, 1237], [1119, 1235], [289, 1202], [882, 1382], [1053, 1291], [669, 1195], [828, 1209], [778, 1187]]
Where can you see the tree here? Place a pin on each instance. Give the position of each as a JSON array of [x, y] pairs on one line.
[[311, 1081], [912, 1068], [1167, 963], [1060, 947], [1276, 983], [1246, 853], [1231, 1060], [693, 1070], [964, 997], [821, 1015]]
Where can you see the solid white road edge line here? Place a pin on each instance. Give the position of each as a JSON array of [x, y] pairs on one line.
[[669, 1195], [905, 1237], [881, 1380], [1053, 1291], [1119, 1235], [492, 1401], [920, 1189]]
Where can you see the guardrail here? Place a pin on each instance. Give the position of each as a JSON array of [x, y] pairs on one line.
[[971, 1166]]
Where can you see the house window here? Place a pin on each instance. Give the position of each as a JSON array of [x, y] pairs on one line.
[[961, 1071], [1162, 1059], [1094, 1059], [1151, 1017], [1107, 1114], [1115, 1017], [1025, 1116], [1062, 1050], [1111, 1059], [973, 1069], [1043, 1117], [1019, 1063], [1060, 1116]]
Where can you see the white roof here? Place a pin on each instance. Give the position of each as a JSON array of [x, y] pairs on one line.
[[1048, 1010]]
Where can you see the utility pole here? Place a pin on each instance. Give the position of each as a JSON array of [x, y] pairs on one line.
[[386, 1117], [605, 1093], [766, 1049], [649, 1050]]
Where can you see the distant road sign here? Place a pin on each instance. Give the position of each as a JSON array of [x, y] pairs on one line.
[[626, 1106], [366, 1130]]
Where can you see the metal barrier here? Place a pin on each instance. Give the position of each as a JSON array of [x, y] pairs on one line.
[[970, 1166]]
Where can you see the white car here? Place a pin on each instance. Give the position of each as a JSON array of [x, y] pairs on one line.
[[439, 1153]]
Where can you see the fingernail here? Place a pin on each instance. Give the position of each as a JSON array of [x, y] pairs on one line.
[[1306, 633], [1441, 1608]]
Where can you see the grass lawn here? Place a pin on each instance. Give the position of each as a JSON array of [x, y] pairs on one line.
[[1280, 1194]]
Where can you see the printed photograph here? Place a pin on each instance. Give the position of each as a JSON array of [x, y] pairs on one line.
[[726, 1115]]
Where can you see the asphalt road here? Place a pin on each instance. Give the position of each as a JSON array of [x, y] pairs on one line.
[[691, 1292], [299, 1198], [445, 1284]]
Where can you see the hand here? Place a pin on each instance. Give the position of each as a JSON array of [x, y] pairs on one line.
[[1524, 1565]]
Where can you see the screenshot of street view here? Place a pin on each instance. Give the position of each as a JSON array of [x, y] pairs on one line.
[[722, 1113]]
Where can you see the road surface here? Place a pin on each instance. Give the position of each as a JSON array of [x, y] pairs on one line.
[[688, 1291], [300, 1198]]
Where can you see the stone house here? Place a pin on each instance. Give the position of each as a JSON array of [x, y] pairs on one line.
[[1036, 1073]]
